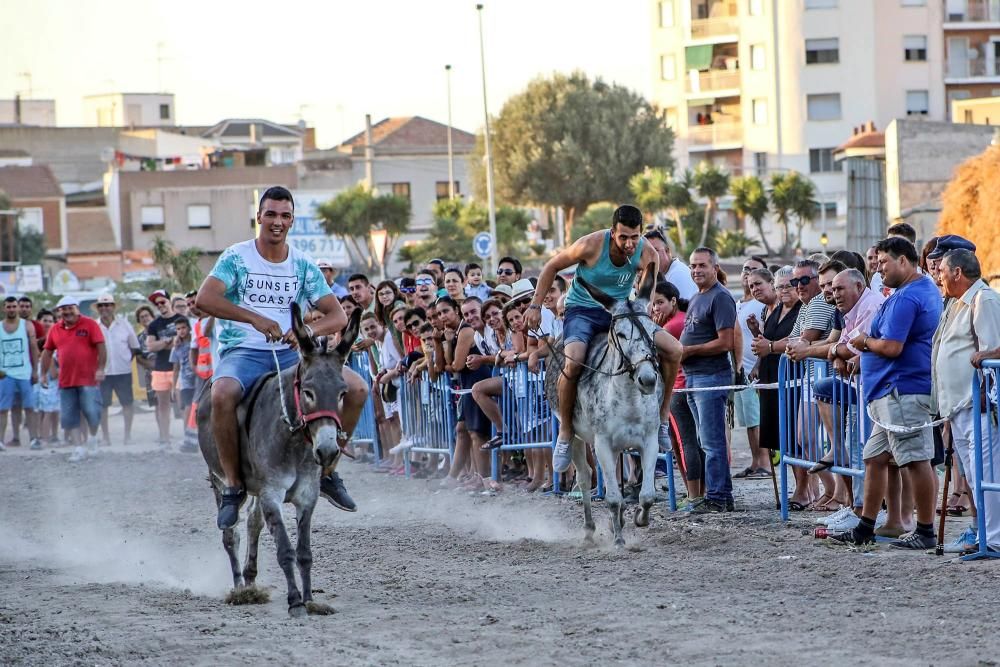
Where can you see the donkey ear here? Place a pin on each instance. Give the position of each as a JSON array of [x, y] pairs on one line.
[[648, 283], [306, 344], [599, 295], [349, 335]]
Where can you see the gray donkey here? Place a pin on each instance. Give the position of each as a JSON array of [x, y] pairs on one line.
[[281, 461], [617, 403]]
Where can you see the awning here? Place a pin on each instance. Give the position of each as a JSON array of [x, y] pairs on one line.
[[698, 57]]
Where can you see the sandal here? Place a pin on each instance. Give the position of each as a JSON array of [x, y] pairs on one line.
[[492, 443], [958, 510], [950, 506], [744, 474], [796, 506]]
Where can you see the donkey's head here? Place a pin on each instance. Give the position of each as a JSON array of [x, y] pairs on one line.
[[632, 331], [321, 385]]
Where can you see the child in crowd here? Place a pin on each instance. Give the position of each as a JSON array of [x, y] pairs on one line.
[[180, 357], [474, 285]]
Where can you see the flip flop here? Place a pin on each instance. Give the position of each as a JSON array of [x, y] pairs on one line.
[[492, 443], [796, 506], [746, 472]]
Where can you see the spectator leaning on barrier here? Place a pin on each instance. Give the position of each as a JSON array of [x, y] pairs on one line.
[[708, 340], [122, 346], [79, 342], [968, 333], [18, 370], [896, 375]]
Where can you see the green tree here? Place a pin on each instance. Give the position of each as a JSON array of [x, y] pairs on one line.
[[597, 216], [750, 201], [456, 223], [711, 183], [792, 195], [568, 141], [355, 212], [655, 190], [180, 269]]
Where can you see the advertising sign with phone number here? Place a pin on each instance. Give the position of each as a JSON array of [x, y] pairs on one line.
[[308, 235]]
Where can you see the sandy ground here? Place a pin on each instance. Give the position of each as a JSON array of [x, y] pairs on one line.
[[117, 561]]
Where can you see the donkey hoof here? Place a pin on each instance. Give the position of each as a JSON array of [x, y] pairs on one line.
[[619, 542], [297, 611], [641, 517], [319, 609]]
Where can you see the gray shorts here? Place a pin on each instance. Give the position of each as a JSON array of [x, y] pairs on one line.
[[747, 408], [901, 410]]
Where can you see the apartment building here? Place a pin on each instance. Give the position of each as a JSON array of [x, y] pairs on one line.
[[972, 50], [767, 86]]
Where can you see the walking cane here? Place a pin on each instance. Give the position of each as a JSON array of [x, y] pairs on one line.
[[949, 451], [774, 483]]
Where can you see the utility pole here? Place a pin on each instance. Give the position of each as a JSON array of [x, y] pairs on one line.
[[451, 155], [491, 200], [369, 153]]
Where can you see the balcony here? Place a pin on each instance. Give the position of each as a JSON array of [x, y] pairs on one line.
[[712, 81], [715, 28], [972, 11], [717, 135], [972, 68]]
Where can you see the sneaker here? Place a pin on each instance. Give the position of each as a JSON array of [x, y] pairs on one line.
[[229, 507], [708, 506], [562, 456], [852, 540], [36, 444], [835, 517], [332, 488], [914, 542], [730, 505], [403, 445], [688, 504], [881, 518], [849, 521], [964, 543], [79, 454]]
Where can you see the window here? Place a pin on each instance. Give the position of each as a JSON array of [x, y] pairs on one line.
[[821, 4], [913, 3], [758, 57], [821, 161], [152, 218], [827, 208], [441, 190], [823, 107], [666, 13], [401, 190], [199, 215], [822, 51], [755, 7], [967, 113], [917, 103], [164, 112], [668, 67], [759, 111], [760, 164], [915, 48], [31, 219]]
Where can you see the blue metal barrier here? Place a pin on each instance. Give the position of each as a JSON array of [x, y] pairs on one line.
[[984, 457], [366, 432], [427, 411], [803, 436], [528, 422]]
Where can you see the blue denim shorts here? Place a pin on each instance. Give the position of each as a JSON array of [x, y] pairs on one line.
[[76, 400], [246, 365], [824, 388], [11, 389], [582, 324]]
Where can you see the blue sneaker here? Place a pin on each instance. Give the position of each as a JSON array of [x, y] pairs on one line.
[[967, 541], [562, 456]]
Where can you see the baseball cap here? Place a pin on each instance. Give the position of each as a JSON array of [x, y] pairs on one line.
[[68, 301], [325, 264], [157, 294], [950, 242], [105, 298]]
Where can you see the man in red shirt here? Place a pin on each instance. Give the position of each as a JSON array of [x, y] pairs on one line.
[[79, 342]]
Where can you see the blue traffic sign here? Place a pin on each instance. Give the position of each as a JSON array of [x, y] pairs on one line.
[[482, 245]]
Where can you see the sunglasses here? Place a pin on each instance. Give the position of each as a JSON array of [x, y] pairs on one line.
[[424, 281], [413, 325], [783, 288], [105, 305], [407, 290], [804, 281], [505, 272]]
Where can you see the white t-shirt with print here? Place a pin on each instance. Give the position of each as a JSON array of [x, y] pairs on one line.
[[266, 288]]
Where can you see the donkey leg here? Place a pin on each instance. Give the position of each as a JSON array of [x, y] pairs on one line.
[[255, 522], [230, 541], [271, 506], [303, 554], [612, 494], [583, 481], [647, 494]]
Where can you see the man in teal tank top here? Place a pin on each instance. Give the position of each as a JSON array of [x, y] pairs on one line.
[[18, 369], [610, 260]]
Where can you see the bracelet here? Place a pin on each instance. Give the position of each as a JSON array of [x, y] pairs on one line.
[[864, 344], [534, 306], [770, 346], [309, 330]]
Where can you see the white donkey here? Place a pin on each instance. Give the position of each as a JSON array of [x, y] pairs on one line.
[[617, 403]]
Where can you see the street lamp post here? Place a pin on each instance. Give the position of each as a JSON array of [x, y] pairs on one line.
[[491, 201], [379, 236], [451, 155]]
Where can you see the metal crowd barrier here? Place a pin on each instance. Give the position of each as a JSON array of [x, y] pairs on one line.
[[427, 417], [366, 432], [984, 458], [803, 437]]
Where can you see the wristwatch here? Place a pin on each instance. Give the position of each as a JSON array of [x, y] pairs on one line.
[[534, 306]]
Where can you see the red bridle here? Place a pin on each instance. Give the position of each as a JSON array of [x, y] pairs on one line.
[[302, 420]]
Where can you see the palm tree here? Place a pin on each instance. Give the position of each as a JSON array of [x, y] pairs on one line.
[[678, 201], [792, 195], [750, 201], [711, 183], [804, 204], [649, 187]]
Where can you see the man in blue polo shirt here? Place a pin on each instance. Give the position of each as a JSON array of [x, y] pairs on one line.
[[896, 376]]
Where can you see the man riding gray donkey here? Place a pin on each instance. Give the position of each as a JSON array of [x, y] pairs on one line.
[[598, 301], [251, 291]]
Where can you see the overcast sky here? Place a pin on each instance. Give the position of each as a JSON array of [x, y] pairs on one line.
[[327, 61]]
